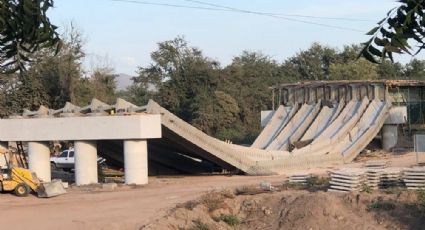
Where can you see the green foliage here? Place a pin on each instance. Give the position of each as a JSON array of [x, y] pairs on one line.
[[366, 188], [54, 79], [403, 24], [314, 63], [316, 183], [353, 70], [421, 198], [415, 69], [199, 225], [230, 220], [104, 84], [213, 200], [24, 29], [380, 204], [19, 92], [60, 73]]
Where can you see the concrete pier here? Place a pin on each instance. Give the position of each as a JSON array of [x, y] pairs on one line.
[[85, 162], [39, 160], [389, 136], [136, 162], [4, 146]]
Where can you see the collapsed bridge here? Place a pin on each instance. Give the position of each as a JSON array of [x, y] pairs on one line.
[[316, 124]]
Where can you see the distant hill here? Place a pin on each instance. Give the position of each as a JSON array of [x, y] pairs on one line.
[[123, 81]]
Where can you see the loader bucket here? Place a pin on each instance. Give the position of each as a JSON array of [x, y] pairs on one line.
[[50, 189]]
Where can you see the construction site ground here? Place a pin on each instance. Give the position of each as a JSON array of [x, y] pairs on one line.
[[129, 207]]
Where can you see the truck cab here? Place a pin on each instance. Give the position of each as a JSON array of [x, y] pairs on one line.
[[65, 160]]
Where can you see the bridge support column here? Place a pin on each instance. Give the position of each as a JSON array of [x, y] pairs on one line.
[[136, 161], [4, 146], [85, 162], [389, 136], [39, 160]]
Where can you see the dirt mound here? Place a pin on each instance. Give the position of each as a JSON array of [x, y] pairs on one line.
[[296, 209]]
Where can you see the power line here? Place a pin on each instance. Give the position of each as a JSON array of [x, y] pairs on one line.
[[280, 14], [240, 11]]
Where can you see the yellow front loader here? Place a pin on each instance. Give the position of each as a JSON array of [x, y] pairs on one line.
[[22, 181]]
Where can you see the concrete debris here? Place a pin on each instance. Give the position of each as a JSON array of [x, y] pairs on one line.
[[266, 186], [109, 186]]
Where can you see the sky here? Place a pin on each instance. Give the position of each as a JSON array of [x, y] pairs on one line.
[[124, 33]]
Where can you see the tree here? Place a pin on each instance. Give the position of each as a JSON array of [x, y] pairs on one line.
[[103, 82], [401, 26], [353, 70], [60, 72], [390, 70], [313, 64], [415, 69], [24, 29], [180, 78], [19, 92], [247, 79]]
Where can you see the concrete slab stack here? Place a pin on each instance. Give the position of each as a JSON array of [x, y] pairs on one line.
[[300, 178], [414, 178], [383, 178], [347, 179], [376, 164]]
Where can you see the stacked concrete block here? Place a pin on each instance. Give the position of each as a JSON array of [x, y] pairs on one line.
[[383, 178], [300, 178], [376, 164], [414, 178], [347, 179]]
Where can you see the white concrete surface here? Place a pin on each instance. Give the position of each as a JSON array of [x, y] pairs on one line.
[[82, 128], [389, 136], [85, 162], [397, 115], [266, 116], [39, 160], [136, 162]]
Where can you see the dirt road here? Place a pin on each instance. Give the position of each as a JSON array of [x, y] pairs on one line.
[[125, 208]]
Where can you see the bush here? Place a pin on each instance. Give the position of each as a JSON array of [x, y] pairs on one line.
[[421, 197], [199, 225], [190, 205], [227, 193], [366, 188], [248, 190], [315, 183], [231, 220], [381, 204], [213, 200]]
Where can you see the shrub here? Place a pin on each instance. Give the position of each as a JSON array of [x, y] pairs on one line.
[[421, 197], [231, 220], [227, 193], [366, 188], [213, 200], [190, 205], [199, 225], [315, 183], [381, 204]]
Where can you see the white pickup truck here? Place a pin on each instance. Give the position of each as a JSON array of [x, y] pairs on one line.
[[66, 160]]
